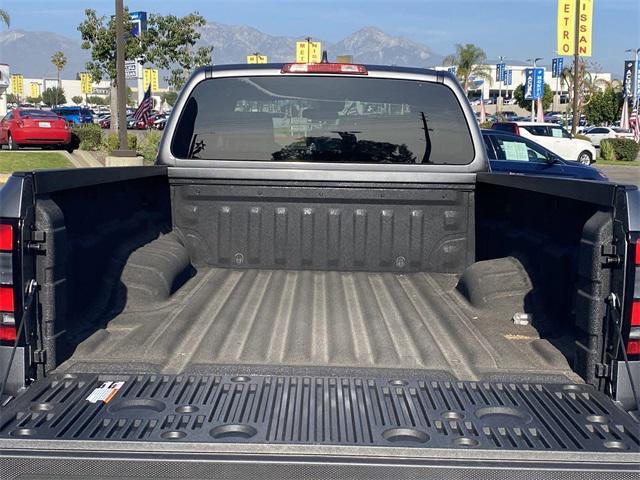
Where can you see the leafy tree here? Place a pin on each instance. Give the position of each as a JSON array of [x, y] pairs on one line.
[[53, 96], [5, 18], [547, 97], [603, 106], [12, 98], [96, 100], [34, 100], [469, 62], [59, 61], [168, 43], [76, 99], [169, 97]]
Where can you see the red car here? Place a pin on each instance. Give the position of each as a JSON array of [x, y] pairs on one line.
[[31, 127]]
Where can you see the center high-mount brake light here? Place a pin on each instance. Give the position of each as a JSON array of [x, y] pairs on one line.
[[339, 68]]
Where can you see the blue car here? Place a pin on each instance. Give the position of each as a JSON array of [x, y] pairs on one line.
[[515, 154], [75, 115]]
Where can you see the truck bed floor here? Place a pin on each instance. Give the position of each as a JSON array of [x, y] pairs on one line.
[[415, 321]]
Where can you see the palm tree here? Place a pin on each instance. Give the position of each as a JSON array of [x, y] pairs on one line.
[[5, 18], [469, 61], [59, 61]]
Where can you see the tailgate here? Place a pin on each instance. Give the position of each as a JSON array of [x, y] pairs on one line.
[[205, 424]]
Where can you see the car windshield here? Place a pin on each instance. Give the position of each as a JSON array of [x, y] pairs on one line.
[[38, 114], [323, 119]]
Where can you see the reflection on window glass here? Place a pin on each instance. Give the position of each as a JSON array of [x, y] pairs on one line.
[[323, 119]]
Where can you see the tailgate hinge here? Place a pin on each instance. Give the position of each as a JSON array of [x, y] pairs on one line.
[[610, 256]]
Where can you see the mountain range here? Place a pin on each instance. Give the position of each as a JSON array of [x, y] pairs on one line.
[[29, 53]]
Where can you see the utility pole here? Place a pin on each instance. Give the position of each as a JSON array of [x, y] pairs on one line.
[[121, 82], [576, 72]]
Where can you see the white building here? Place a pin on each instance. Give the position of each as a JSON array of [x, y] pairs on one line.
[[492, 88]]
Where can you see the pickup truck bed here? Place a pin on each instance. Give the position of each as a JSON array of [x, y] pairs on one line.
[[321, 319]]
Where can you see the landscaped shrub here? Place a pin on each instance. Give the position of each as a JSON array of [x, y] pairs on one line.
[[89, 136], [624, 149], [111, 143], [148, 145], [606, 150]]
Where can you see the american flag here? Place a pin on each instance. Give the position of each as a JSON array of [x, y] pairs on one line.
[[634, 123], [144, 109]]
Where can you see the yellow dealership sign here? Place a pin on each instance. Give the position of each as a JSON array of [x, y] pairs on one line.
[[257, 59], [566, 41], [308, 52], [85, 83], [150, 76], [34, 89], [17, 84]]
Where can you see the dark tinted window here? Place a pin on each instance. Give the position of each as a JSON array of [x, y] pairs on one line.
[[504, 127], [323, 119], [598, 130], [38, 114], [539, 130]]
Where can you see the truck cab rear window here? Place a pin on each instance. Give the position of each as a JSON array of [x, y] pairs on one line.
[[323, 119]]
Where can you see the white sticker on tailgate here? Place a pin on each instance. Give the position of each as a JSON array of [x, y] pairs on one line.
[[44, 124], [105, 392]]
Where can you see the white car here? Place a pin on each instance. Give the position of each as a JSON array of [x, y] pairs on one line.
[[553, 137], [597, 134]]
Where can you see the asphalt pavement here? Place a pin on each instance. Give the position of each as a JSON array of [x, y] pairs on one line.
[[628, 175]]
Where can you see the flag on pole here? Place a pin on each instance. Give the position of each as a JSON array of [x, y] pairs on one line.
[[624, 116], [144, 109], [540, 111], [483, 111], [634, 121]]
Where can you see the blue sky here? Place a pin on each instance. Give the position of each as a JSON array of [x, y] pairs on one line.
[[517, 29]]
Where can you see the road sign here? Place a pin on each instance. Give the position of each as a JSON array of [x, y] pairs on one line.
[[556, 67], [34, 89], [139, 20], [508, 77], [257, 59], [131, 69], [150, 76], [534, 83], [308, 52], [627, 78], [85, 83], [585, 27], [17, 84], [500, 72]]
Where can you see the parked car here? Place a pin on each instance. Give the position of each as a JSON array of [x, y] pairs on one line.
[[597, 134], [516, 154], [311, 291], [105, 121], [33, 127], [553, 137], [75, 115], [509, 115], [135, 124]]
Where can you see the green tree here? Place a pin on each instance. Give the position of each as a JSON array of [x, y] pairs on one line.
[[168, 43], [5, 18], [603, 106], [96, 100], [53, 96], [547, 97], [469, 61], [169, 97], [59, 61], [76, 99], [12, 98], [34, 100]]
